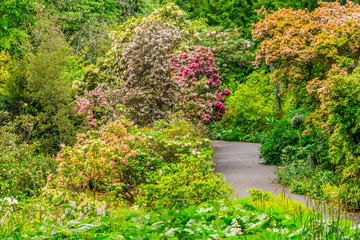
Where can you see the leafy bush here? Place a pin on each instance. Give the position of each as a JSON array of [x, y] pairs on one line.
[[276, 139], [232, 53], [180, 185], [176, 138], [338, 117], [302, 178], [250, 105], [36, 86], [23, 171], [234, 134]]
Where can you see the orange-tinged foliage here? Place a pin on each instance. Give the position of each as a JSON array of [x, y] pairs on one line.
[[305, 45]]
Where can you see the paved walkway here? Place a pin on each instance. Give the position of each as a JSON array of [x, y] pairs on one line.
[[240, 165]]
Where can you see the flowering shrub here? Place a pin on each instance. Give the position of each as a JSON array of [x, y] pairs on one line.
[[139, 63], [98, 106], [101, 159], [200, 95], [174, 139], [119, 158]]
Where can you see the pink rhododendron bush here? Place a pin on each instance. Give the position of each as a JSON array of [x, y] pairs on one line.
[[200, 95]]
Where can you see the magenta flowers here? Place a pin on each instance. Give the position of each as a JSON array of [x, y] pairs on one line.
[[199, 93]]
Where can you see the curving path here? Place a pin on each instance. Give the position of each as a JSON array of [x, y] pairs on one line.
[[240, 165]]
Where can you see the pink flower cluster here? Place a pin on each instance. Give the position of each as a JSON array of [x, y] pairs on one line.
[[200, 95], [93, 103]]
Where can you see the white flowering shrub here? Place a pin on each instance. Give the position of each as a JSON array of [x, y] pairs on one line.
[[147, 89]]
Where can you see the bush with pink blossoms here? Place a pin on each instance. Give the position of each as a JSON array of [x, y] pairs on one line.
[[115, 156], [98, 106], [199, 94]]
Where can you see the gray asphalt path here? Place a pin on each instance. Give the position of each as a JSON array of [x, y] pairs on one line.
[[240, 165]]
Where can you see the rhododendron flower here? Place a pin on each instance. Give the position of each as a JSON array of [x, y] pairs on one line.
[[227, 92], [93, 123]]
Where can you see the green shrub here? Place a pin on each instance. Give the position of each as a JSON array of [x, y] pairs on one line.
[[184, 184], [23, 171], [175, 138], [250, 105], [234, 134], [276, 139], [339, 118], [302, 178], [232, 53]]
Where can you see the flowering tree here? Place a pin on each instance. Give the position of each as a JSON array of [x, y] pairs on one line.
[[199, 93], [304, 45], [147, 88]]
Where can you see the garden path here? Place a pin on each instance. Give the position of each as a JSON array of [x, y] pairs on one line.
[[240, 165]]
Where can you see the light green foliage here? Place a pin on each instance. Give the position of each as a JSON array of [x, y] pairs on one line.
[[175, 138], [246, 218], [49, 93], [250, 105], [180, 185], [4, 62], [16, 16], [23, 171]]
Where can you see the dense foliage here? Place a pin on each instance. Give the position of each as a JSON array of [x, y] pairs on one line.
[[261, 216], [315, 56], [110, 105]]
